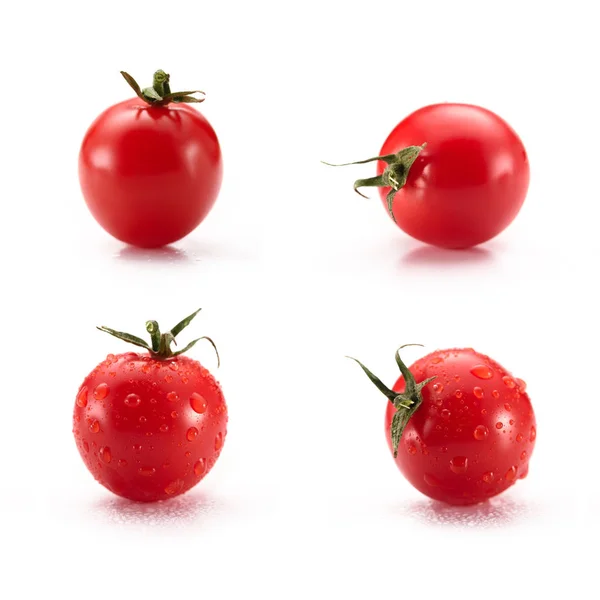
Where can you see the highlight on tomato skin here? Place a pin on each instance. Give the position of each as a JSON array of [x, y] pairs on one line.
[[451, 175], [150, 425], [461, 428], [150, 167]]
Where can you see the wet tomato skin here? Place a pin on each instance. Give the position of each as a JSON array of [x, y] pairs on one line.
[[150, 175], [467, 184], [149, 429], [472, 437]]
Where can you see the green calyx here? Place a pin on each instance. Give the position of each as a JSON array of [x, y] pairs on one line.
[[405, 403], [394, 176], [160, 93], [160, 347]]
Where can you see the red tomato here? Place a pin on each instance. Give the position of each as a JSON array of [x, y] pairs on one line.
[[150, 170], [463, 426], [150, 426], [462, 188]]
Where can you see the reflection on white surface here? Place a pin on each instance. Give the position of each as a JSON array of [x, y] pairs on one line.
[[430, 256], [174, 513], [166, 254], [496, 512]]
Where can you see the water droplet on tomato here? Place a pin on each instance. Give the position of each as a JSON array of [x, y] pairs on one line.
[[174, 487], [438, 388], [482, 372], [86, 446], [459, 464], [488, 477], [499, 425], [172, 397], [146, 368], [122, 462], [445, 414], [411, 449], [495, 394], [142, 419], [219, 441], [82, 397], [523, 455], [532, 434], [437, 360], [132, 400], [191, 434], [481, 432], [444, 449], [173, 366], [507, 407], [431, 480], [94, 426], [105, 454], [188, 454], [478, 392], [519, 437], [458, 394], [521, 385], [509, 382], [137, 448], [174, 414], [511, 474], [101, 391], [524, 471], [164, 428], [200, 467], [198, 403], [146, 471]]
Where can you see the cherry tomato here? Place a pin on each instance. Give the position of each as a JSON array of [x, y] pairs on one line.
[[150, 167], [460, 427], [151, 425], [452, 175]]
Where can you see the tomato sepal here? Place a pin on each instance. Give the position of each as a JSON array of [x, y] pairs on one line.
[[160, 93], [405, 403], [394, 176], [161, 343]]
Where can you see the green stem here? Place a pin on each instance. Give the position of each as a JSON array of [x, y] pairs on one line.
[[394, 176], [160, 93], [161, 343], [405, 403]]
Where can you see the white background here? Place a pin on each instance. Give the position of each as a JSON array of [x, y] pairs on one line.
[[294, 271]]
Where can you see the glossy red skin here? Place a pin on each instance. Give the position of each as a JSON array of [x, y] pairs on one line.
[[433, 438], [150, 175], [469, 182], [149, 462]]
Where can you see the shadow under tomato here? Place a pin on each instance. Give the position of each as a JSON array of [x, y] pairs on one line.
[[441, 257], [181, 511], [165, 254], [496, 512]]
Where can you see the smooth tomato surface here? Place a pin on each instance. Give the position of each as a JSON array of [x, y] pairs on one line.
[[474, 433], [149, 429], [468, 183], [150, 175]]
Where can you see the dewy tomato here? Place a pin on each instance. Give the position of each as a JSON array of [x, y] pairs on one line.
[[150, 167], [150, 425], [451, 175], [460, 427]]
